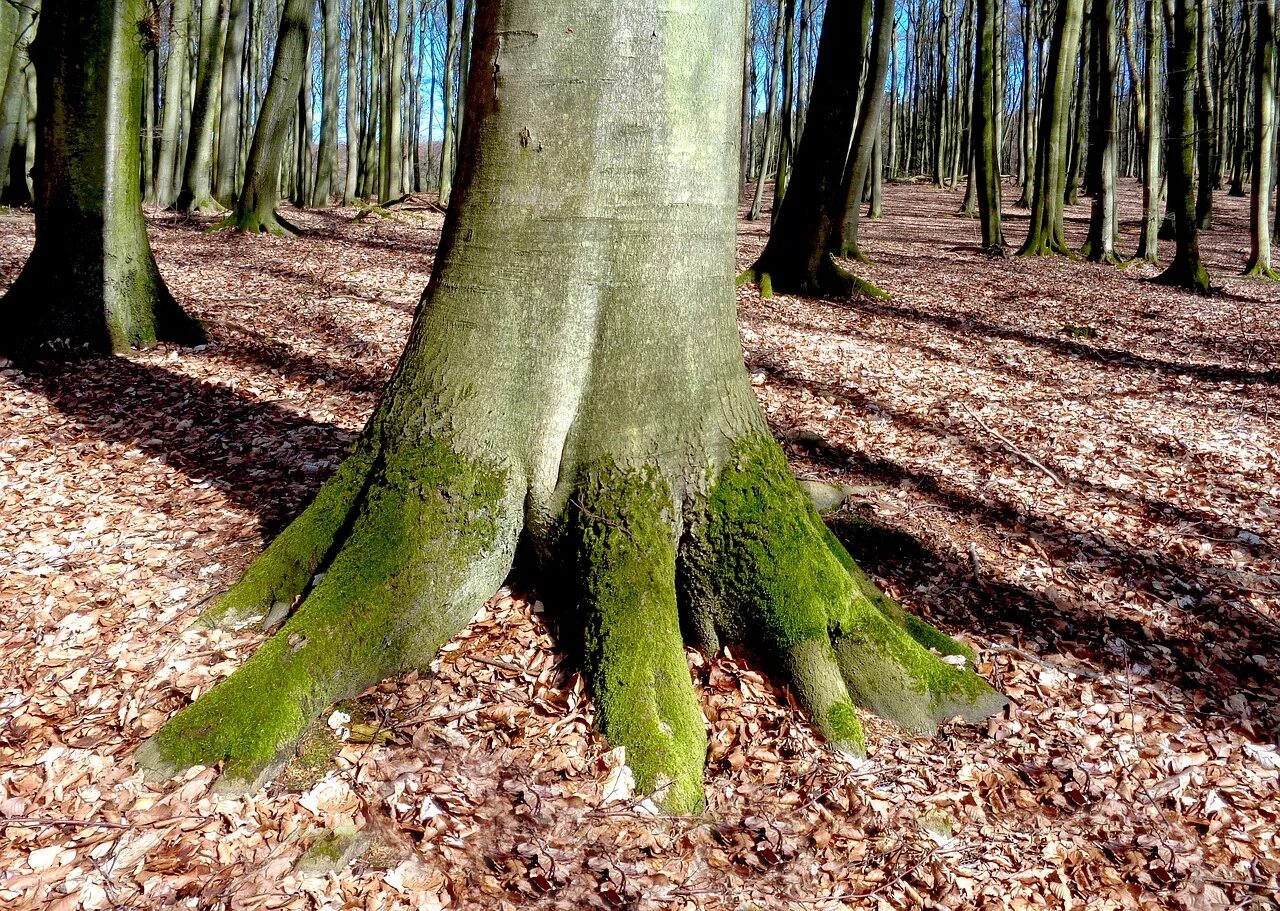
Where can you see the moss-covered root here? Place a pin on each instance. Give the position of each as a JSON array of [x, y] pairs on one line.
[[785, 583], [432, 539], [254, 222], [1255, 269], [619, 543], [1187, 274], [285, 569]]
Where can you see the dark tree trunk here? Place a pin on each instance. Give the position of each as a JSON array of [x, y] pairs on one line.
[[986, 170], [1186, 270], [91, 283], [1100, 246], [797, 257]]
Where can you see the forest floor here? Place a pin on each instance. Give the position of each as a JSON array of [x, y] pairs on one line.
[[1072, 469]]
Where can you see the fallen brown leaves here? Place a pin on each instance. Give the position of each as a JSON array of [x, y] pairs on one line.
[[1129, 611]]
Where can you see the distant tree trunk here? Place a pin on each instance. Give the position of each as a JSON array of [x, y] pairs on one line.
[[1264, 140], [867, 130], [1079, 106], [350, 185], [391, 168], [797, 258], [1045, 233], [1244, 80], [255, 208], [946, 11], [13, 110], [1135, 75], [453, 50], [1206, 124], [775, 80], [228, 162], [327, 155], [1186, 270], [197, 174], [1027, 161], [91, 283], [175, 80], [986, 142], [875, 205], [1148, 242], [786, 113], [1100, 246]]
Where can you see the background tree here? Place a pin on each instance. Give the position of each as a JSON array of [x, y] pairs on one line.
[[986, 141], [634, 461], [1100, 245], [196, 194], [1186, 270], [1045, 233], [1264, 141], [91, 283]]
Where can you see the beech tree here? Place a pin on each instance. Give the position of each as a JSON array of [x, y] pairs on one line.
[[1264, 141], [91, 283], [574, 382], [1186, 270], [1100, 245], [987, 151]]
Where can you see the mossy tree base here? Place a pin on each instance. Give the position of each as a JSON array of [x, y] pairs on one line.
[[1190, 275], [251, 221], [1255, 269], [827, 279], [410, 544]]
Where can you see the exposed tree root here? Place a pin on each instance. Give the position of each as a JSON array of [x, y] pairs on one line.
[[253, 222], [1189, 275], [829, 279], [1255, 269], [413, 542]]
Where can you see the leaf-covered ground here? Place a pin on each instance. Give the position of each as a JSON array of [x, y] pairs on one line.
[[1073, 469]]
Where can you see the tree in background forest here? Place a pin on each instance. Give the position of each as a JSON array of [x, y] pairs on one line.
[[91, 283], [583, 291]]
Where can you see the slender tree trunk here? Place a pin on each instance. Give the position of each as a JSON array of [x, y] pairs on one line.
[[197, 174], [13, 110], [632, 455], [986, 148], [229, 110], [1206, 126], [350, 186], [175, 80], [452, 51], [1100, 246], [1046, 234], [775, 80], [1186, 270], [327, 155], [1079, 105], [1028, 159], [1264, 140], [875, 204], [867, 130], [1148, 242], [91, 283], [1135, 74], [1244, 80], [255, 208], [786, 113]]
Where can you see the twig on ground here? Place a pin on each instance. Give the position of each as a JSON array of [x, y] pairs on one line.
[[1012, 447]]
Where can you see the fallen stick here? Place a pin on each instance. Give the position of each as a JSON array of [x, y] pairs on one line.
[[1012, 447]]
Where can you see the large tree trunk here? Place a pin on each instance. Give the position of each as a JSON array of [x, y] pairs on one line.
[[797, 258], [91, 283], [1186, 270], [1100, 246], [197, 175], [986, 156], [867, 130], [175, 80], [1264, 141], [1046, 233], [255, 208], [631, 456]]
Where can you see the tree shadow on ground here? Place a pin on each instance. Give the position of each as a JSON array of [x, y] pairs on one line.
[[265, 458], [1209, 670], [1221, 373]]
